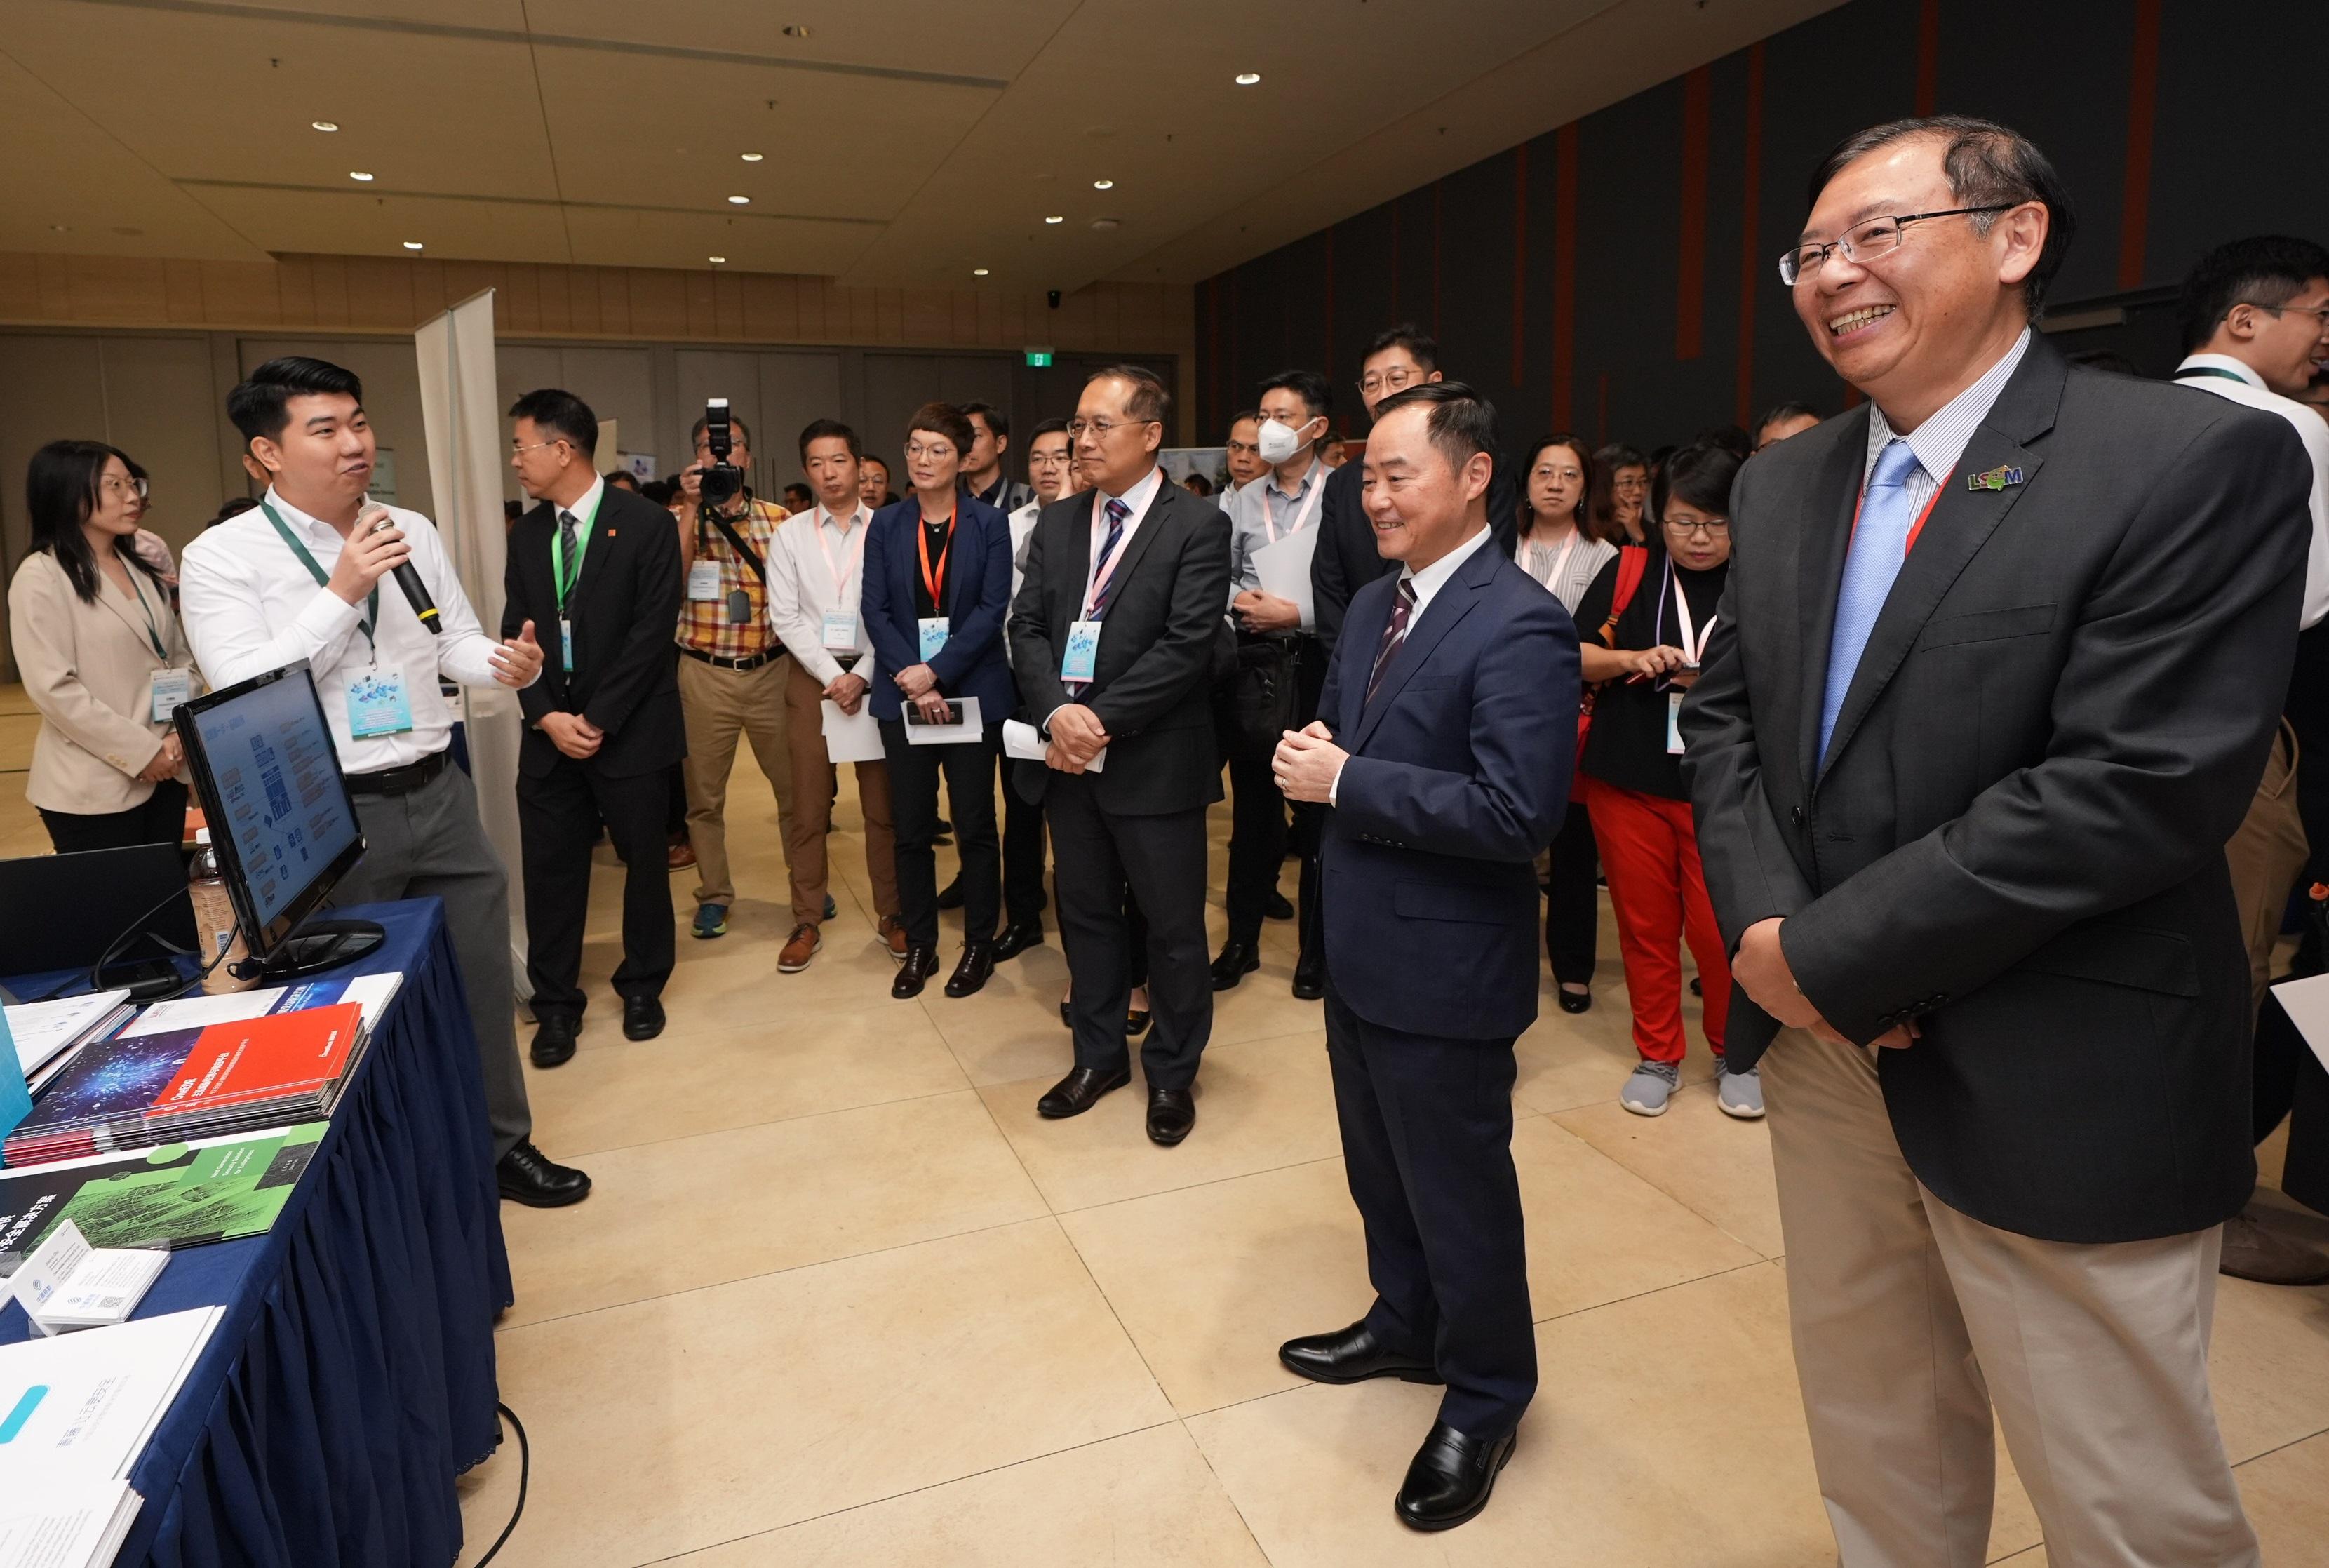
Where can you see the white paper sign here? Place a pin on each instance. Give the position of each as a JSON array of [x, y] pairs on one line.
[[972, 728], [852, 737], [2306, 1003], [1284, 569], [1026, 743]]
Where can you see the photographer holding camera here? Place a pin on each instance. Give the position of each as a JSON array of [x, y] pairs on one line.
[[732, 667]]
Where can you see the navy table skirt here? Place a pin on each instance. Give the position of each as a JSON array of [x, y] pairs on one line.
[[352, 1377]]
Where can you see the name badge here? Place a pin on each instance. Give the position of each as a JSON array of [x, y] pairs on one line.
[[566, 646], [1083, 652], [378, 704], [1673, 724], [841, 630], [172, 688], [704, 583], [934, 635]]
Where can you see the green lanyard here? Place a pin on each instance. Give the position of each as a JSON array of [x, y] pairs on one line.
[[2210, 369], [566, 573], [324, 579], [153, 628]]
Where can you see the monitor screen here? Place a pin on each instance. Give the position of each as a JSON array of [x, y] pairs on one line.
[[272, 790]]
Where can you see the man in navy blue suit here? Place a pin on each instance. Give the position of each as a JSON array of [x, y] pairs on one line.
[[1443, 743]]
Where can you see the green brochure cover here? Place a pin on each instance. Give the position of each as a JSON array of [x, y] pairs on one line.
[[181, 1195]]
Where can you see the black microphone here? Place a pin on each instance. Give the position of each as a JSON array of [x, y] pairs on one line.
[[416, 592]]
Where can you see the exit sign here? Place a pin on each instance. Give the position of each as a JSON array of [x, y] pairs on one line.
[[1038, 358]]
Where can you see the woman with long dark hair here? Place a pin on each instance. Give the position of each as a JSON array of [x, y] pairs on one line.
[[1558, 547], [102, 656], [1632, 771], [1622, 501]]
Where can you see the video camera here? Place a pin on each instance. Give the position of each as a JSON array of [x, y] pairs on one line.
[[721, 481]]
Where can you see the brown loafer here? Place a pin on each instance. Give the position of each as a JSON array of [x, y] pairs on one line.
[[893, 931], [799, 949]]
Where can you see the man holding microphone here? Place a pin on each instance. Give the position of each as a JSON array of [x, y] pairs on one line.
[[299, 577]]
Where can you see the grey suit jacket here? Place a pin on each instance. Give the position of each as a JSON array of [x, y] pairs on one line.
[[2017, 835]]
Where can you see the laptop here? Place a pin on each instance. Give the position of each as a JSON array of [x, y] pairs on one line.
[[62, 912]]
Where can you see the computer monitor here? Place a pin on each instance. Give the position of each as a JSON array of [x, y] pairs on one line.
[[280, 819]]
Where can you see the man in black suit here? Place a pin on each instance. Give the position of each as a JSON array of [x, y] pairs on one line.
[[1116, 638], [1443, 747], [1346, 561], [1997, 672], [600, 567]]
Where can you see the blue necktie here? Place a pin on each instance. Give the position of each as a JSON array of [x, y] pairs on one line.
[[1879, 545]]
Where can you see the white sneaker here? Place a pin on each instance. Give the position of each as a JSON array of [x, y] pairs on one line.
[[1651, 1088], [1739, 1094]]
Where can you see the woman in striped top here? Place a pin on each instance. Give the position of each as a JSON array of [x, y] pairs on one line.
[[1559, 547]]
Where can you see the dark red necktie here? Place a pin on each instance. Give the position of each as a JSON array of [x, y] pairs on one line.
[[1393, 634]]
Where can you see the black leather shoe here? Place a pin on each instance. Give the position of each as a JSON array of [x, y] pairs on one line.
[[950, 895], [1017, 938], [1238, 960], [529, 1176], [1309, 977], [1450, 1478], [977, 963], [642, 1017], [1135, 1022], [1066, 1016], [1279, 907], [553, 1040], [1079, 1091], [1351, 1355], [914, 970], [1574, 1001], [1172, 1112]]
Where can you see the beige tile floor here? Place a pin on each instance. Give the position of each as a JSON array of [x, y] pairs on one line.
[[840, 1297]]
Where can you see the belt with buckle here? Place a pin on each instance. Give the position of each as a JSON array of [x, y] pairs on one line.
[[401, 781], [766, 655]]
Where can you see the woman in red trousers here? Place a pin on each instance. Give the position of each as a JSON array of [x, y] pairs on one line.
[[1647, 651]]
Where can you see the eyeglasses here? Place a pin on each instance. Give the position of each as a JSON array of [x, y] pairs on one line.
[[2320, 313], [1101, 430], [518, 450], [1388, 382], [1867, 240], [116, 487], [1712, 527], [935, 452]]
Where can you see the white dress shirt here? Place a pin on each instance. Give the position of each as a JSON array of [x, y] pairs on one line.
[[2208, 372], [1942, 439], [1427, 583], [1139, 498], [1261, 514], [250, 605], [803, 586]]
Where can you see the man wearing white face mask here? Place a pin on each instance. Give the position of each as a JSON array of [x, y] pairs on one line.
[[1278, 673]]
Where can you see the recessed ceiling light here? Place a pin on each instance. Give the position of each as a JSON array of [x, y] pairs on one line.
[[1056, 218], [752, 157], [360, 177], [978, 272], [1103, 184], [325, 125], [412, 244], [739, 200], [1104, 223], [1247, 78], [797, 30], [717, 261], [61, 228]]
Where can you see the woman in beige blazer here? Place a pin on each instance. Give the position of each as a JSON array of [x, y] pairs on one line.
[[101, 651]]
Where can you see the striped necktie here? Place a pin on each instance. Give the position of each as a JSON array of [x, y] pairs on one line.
[[569, 553], [1105, 590], [1393, 634]]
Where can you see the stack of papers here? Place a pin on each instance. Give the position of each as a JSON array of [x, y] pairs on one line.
[[105, 1288], [47, 1033], [80, 1409], [183, 1072], [81, 1526]]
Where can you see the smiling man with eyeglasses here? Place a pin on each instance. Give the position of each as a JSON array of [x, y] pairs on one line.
[[1999, 662]]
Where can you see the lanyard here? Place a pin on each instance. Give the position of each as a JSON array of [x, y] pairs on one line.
[[1915, 528], [153, 628], [856, 542], [565, 573], [324, 579], [1693, 641], [935, 580], [2211, 370], [1310, 505], [1559, 563], [1107, 567]]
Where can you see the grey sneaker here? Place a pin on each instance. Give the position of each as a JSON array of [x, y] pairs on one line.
[[1739, 1094], [1652, 1086]]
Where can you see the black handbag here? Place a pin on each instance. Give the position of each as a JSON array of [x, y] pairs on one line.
[[1264, 692]]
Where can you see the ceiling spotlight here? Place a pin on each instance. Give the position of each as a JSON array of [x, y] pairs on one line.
[[739, 200], [359, 177], [1104, 225], [1103, 184], [61, 228], [1056, 218], [752, 157], [325, 125], [978, 272], [1247, 78], [797, 29], [717, 261], [412, 244]]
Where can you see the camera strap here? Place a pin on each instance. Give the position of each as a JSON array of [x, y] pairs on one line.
[[751, 557]]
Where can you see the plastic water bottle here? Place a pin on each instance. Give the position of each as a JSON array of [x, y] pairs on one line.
[[215, 917]]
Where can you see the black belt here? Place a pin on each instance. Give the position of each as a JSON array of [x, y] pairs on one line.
[[767, 656], [401, 781]]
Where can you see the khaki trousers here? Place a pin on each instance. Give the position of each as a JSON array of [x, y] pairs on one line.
[[2266, 856], [811, 814], [718, 707], [1911, 1321]]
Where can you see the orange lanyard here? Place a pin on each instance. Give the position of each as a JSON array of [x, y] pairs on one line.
[[1914, 528], [935, 580]]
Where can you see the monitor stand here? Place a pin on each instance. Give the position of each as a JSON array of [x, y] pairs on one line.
[[316, 946]]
